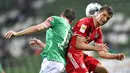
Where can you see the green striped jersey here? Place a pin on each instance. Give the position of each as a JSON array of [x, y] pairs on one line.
[[57, 39]]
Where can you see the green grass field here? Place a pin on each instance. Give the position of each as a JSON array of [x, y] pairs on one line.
[[27, 64]]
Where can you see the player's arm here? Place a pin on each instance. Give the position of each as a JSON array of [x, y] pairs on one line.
[[3, 71], [32, 29], [37, 43], [29, 30], [107, 55], [80, 44], [80, 30]]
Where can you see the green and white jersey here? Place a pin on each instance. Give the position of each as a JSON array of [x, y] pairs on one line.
[[57, 39]]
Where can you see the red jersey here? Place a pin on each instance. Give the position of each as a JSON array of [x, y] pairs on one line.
[[76, 61], [85, 27]]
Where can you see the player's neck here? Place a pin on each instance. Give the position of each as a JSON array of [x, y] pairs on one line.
[[95, 22], [65, 18]]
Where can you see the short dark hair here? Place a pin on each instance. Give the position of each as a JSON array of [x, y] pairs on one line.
[[107, 8], [69, 14]]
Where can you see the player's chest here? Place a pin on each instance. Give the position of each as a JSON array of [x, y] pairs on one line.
[[91, 35]]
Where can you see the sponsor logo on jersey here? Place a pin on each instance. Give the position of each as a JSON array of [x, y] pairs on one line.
[[83, 28]]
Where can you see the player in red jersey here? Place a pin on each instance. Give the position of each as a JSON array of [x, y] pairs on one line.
[[85, 31]]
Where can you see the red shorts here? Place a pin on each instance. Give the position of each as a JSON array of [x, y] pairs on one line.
[[86, 65], [90, 63], [75, 65]]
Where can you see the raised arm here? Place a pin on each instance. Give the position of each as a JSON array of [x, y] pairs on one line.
[[29, 30], [46, 24]]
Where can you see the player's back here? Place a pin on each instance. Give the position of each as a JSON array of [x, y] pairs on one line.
[[57, 38]]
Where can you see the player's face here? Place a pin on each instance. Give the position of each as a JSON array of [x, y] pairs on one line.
[[103, 17]]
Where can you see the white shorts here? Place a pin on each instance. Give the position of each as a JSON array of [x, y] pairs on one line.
[[51, 66]]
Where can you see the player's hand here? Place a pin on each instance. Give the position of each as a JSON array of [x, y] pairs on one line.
[[101, 47], [121, 56], [35, 43], [10, 34]]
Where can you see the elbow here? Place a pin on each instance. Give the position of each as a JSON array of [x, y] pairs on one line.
[[78, 45], [37, 28], [103, 54]]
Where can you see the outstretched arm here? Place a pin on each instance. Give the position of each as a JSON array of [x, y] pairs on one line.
[[107, 55], [46, 24], [29, 30]]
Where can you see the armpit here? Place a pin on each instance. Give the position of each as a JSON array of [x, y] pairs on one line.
[[81, 39]]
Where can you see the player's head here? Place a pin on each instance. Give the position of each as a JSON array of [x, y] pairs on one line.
[[69, 14], [104, 15], [92, 9]]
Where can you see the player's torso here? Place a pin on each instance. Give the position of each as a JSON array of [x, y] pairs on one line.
[[85, 30], [93, 35], [61, 33], [57, 39]]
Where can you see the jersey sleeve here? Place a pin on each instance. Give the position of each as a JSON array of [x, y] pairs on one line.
[[99, 39], [81, 27], [49, 22]]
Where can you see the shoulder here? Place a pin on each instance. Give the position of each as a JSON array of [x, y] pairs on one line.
[[85, 22], [54, 17], [58, 18], [50, 18], [86, 19]]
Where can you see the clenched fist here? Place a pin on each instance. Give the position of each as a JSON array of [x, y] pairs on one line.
[[121, 56], [37, 43]]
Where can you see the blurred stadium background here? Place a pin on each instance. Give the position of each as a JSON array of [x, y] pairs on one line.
[[17, 56]]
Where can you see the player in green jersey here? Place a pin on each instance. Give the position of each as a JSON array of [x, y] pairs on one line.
[[93, 65], [57, 39]]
